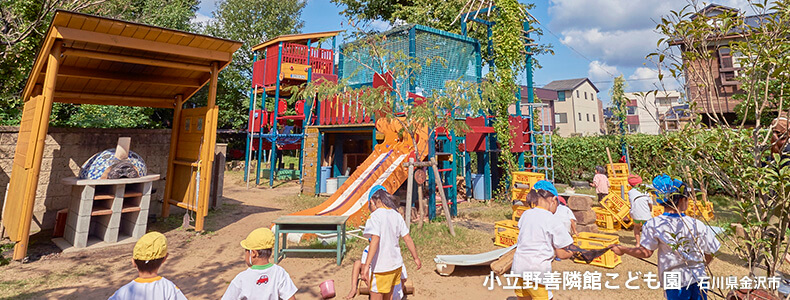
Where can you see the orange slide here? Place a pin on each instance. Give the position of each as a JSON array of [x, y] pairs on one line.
[[384, 166]]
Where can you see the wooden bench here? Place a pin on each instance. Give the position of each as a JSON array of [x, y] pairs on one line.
[[309, 224]]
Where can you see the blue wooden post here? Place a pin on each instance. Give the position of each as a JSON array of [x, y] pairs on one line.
[[531, 99], [431, 178], [412, 58], [250, 131], [273, 160]]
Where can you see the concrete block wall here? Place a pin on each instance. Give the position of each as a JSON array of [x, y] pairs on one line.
[[66, 149]]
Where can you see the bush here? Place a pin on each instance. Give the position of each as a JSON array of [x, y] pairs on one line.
[[575, 158]]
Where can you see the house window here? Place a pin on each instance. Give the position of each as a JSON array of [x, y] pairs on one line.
[[580, 116], [585, 95], [561, 96], [577, 93], [631, 110], [633, 127], [561, 118], [593, 118], [592, 96], [588, 117], [665, 101], [725, 58]]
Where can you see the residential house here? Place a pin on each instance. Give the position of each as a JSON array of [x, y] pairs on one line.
[[577, 109], [543, 106], [723, 69], [645, 109], [675, 118]]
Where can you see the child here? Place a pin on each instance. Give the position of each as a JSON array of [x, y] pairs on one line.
[[641, 205], [685, 245], [261, 280], [397, 291], [149, 253], [384, 228], [541, 238], [565, 215], [600, 182]]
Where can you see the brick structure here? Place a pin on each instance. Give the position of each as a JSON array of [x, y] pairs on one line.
[[66, 150]]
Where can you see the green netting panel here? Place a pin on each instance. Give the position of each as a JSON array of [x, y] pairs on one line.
[[452, 57]]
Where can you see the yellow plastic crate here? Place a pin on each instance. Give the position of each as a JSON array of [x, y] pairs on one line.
[[657, 210], [592, 241], [518, 210], [505, 233], [617, 170], [527, 178], [618, 183], [704, 212], [605, 220], [619, 208]]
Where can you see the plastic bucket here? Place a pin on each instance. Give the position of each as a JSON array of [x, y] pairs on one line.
[[325, 171], [478, 186], [331, 185], [341, 180], [327, 289]]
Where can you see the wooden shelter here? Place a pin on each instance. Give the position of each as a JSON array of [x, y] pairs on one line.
[[87, 59]]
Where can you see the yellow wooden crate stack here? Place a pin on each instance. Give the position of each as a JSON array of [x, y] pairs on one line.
[[700, 210], [618, 183], [526, 178], [505, 233], [593, 241]]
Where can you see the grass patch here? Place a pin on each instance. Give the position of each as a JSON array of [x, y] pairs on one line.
[[585, 190], [3, 249], [488, 212], [435, 239], [302, 202], [25, 288]]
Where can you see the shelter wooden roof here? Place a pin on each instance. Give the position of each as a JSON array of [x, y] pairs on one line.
[[296, 38], [114, 62]]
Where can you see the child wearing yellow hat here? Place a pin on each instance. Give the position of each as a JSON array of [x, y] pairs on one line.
[[149, 254], [261, 280]]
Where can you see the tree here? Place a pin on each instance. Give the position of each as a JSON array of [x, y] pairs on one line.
[[619, 103], [25, 22], [734, 156], [251, 22]]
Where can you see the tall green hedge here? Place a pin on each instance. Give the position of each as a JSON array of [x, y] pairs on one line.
[[575, 158]]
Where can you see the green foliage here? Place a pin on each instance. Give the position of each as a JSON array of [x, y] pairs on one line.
[[575, 158], [619, 103], [18, 58], [3, 248]]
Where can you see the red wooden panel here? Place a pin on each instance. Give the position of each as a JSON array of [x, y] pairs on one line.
[[516, 133], [475, 142]]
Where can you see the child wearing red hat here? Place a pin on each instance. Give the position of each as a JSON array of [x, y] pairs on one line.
[[641, 205]]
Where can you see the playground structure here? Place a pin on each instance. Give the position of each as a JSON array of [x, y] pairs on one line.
[[87, 59], [342, 132]]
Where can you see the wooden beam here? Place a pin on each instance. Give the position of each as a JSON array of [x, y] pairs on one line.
[[39, 64], [140, 44], [207, 152], [122, 76], [41, 126], [82, 98], [136, 60], [174, 132]]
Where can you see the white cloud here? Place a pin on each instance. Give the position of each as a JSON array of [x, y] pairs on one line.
[[617, 32], [646, 79], [600, 71], [379, 25], [201, 18]]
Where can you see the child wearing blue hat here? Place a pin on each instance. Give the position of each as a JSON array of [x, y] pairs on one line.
[[384, 228], [542, 237], [685, 245]]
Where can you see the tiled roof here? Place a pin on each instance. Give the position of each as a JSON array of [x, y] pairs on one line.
[[568, 84]]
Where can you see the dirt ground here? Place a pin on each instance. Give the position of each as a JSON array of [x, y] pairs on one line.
[[203, 265]]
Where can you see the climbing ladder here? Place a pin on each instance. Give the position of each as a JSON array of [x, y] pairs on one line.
[[443, 146]]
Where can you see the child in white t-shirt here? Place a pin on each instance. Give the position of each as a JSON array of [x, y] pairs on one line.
[[384, 228], [261, 280], [149, 253], [397, 290], [685, 245], [541, 238], [565, 215], [641, 205]]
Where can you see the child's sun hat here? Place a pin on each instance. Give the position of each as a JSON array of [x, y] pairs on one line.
[[259, 239], [545, 185], [375, 189], [665, 186], [151, 246]]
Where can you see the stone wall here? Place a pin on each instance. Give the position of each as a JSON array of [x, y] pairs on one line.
[[67, 149]]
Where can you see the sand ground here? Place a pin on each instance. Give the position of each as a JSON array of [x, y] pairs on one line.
[[203, 265]]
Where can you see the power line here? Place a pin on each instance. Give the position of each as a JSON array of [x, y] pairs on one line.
[[573, 49]]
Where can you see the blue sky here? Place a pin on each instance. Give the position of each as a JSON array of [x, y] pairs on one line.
[[597, 39]]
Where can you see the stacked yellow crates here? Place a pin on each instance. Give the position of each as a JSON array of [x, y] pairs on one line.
[[594, 241], [506, 231]]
